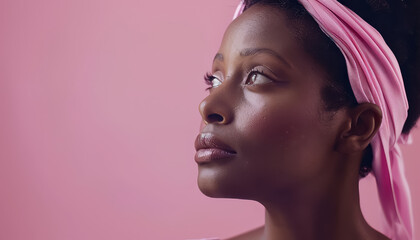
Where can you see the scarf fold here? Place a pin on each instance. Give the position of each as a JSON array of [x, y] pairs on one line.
[[375, 77]]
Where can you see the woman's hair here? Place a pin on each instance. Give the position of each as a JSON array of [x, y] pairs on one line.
[[399, 25]]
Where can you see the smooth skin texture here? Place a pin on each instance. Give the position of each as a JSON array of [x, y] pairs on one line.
[[298, 160]]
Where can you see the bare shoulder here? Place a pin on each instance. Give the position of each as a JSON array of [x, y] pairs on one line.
[[257, 233], [250, 235]]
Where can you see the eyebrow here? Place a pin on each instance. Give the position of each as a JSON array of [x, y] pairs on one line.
[[254, 51]]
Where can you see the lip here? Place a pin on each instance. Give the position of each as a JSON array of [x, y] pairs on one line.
[[209, 148]]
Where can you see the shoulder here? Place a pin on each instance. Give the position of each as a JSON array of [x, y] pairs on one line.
[[250, 235], [205, 239]]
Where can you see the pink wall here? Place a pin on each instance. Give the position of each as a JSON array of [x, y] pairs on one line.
[[99, 110]]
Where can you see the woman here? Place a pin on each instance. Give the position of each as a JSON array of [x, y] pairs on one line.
[[305, 98]]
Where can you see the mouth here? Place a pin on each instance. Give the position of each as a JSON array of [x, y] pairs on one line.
[[209, 149]]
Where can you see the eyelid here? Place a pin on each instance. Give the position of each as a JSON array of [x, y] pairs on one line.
[[263, 70]]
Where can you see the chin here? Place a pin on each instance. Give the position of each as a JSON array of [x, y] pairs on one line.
[[209, 185], [210, 191], [216, 184], [212, 183]]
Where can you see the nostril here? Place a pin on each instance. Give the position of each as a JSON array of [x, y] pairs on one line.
[[215, 118]]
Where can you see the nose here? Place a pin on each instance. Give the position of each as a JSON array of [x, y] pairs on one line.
[[216, 109]]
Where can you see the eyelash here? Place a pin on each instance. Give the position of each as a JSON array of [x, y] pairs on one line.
[[208, 77]]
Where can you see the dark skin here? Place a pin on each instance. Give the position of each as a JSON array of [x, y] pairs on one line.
[[296, 159]]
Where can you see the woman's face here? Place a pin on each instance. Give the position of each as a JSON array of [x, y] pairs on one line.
[[265, 108]]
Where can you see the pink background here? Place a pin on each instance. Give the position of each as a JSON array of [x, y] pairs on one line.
[[99, 111]]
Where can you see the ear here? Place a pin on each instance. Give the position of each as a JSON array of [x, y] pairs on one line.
[[360, 127]]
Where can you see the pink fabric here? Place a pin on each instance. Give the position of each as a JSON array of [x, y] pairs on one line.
[[375, 77]]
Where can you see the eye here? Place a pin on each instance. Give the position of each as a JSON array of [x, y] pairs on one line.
[[212, 81], [257, 77]]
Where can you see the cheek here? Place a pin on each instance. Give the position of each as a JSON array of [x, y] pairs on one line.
[[279, 121], [282, 139]]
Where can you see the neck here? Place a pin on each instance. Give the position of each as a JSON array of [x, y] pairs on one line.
[[330, 213]]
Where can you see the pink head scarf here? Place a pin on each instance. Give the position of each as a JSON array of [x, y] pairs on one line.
[[375, 77]]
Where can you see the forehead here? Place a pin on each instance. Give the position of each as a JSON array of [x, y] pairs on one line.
[[262, 26]]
